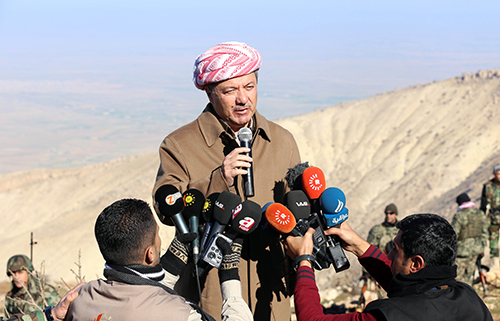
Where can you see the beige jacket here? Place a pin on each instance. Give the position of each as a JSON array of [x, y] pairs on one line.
[[101, 300], [191, 157]]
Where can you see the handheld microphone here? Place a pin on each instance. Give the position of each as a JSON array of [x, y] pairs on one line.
[[169, 201], [193, 205], [245, 138], [282, 220], [332, 202], [224, 207], [207, 215], [245, 219], [298, 203], [313, 182]]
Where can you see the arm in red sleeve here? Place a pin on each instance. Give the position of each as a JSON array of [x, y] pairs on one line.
[[378, 265], [308, 306]]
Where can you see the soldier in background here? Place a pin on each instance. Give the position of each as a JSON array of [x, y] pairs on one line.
[[490, 204], [382, 235], [26, 294], [471, 226]]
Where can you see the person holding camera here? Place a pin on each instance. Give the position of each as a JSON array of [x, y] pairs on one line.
[[418, 274]]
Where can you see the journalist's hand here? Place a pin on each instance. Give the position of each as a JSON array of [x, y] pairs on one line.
[[351, 241], [178, 253], [300, 245], [229, 268]]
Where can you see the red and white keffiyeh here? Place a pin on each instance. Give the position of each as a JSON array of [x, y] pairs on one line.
[[225, 61]]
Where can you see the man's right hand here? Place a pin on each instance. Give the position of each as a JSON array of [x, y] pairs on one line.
[[235, 163], [61, 309], [351, 241]]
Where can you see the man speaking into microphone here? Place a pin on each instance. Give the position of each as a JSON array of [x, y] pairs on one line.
[[207, 155]]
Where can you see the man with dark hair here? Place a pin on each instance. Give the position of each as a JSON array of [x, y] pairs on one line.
[[418, 275], [490, 204], [471, 226], [206, 154], [137, 287]]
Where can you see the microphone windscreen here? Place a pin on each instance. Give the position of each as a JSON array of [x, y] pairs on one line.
[[293, 176], [313, 182], [246, 217], [225, 205], [169, 201], [280, 218], [208, 208], [193, 203], [335, 219], [298, 203], [332, 200], [245, 135]]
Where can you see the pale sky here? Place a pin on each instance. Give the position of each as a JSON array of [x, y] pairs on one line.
[[88, 81]]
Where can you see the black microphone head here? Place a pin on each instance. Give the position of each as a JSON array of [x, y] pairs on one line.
[[193, 203], [208, 208], [294, 176], [225, 205], [169, 201], [298, 203], [245, 135], [246, 217]]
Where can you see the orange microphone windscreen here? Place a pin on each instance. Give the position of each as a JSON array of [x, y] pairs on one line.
[[280, 218], [313, 182]]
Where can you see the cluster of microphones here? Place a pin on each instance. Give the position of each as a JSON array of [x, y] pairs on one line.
[[225, 215]]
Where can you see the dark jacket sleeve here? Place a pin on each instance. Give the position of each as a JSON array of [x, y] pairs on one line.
[[308, 306]]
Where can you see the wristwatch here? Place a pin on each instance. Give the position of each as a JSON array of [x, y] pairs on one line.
[[309, 257], [48, 313]]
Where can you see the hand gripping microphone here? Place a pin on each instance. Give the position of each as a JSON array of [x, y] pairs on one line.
[[298, 204], [282, 220], [169, 201], [193, 205], [332, 201], [245, 138]]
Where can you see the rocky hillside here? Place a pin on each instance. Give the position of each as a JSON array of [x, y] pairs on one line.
[[418, 147]]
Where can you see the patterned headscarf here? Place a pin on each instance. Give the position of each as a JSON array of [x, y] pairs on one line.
[[225, 61]]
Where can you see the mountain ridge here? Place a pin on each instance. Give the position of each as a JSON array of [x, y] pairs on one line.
[[418, 147]]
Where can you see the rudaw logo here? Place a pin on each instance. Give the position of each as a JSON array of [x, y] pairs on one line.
[[315, 182]]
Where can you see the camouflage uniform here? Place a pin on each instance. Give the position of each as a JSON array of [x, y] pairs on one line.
[[32, 316], [471, 226], [381, 234], [491, 196], [18, 300]]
